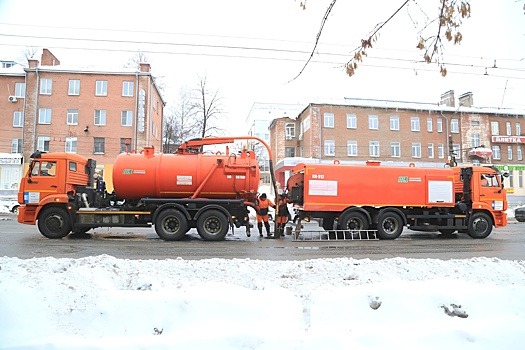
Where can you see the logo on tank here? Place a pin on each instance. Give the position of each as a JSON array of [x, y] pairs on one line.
[[133, 171]]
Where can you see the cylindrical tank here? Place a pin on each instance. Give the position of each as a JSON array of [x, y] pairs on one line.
[[146, 174]]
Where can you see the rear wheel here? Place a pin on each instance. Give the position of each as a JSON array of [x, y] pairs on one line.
[[352, 222], [480, 225], [54, 222], [389, 225], [171, 225], [212, 225]]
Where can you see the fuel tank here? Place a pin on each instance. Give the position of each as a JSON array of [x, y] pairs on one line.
[[201, 175]]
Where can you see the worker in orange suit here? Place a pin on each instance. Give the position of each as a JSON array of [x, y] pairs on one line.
[[263, 203], [282, 212]]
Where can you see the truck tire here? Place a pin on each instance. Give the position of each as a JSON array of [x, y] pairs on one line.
[[171, 225], [212, 225], [389, 225], [353, 220], [480, 225], [54, 222]]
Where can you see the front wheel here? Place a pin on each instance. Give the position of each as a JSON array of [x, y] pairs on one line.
[[480, 225], [389, 225], [171, 225], [212, 225], [54, 222]]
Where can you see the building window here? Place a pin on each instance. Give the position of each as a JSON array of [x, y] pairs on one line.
[[373, 122], [329, 148], [454, 126], [46, 86], [441, 151], [328, 120], [99, 145], [416, 150], [289, 152], [16, 146], [20, 90], [430, 150], [101, 88], [509, 152], [44, 116], [373, 147], [74, 87], [127, 118], [509, 129], [351, 148], [456, 150], [429, 124], [519, 152], [518, 129], [125, 145], [414, 124], [71, 144], [395, 149], [439, 125], [474, 123], [474, 140], [494, 128], [394, 122], [18, 119], [496, 154], [43, 143], [351, 121], [100, 117], [72, 117], [520, 179], [127, 88], [290, 130]]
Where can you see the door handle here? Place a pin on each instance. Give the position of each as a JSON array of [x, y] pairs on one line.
[[53, 186]]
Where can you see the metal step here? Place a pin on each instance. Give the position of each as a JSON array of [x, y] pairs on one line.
[[332, 235]]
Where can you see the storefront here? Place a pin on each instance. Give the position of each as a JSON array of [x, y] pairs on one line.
[[11, 168]]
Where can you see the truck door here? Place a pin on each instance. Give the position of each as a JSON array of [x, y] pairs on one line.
[[490, 189], [41, 181]]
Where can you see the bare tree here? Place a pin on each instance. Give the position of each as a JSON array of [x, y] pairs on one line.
[[181, 122], [447, 26], [136, 59], [208, 107]]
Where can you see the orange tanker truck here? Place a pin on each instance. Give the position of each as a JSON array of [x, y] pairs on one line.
[[174, 192], [352, 198]]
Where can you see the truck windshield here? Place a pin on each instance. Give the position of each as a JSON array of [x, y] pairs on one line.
[[489, 180]]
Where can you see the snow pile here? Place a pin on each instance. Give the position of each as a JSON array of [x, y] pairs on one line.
[[108, 303]]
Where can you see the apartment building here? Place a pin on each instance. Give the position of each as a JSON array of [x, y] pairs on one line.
[[97, 113], [401, 134]]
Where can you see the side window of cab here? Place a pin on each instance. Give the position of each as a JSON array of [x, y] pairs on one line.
[[43, 168]]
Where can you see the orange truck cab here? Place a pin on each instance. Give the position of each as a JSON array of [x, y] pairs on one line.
[[385, 198]]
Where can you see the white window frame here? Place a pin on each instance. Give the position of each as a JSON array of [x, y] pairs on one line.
[[100, 114], [519, 152], [394, 122], [329, 148], [429, 124], [43, 143], [441, 151], [73, 87], [373, 122], [496, 152], [16, 146], [454, 125], [101, 88], [416, 150], [18, 119], [373, 149], [289, 129], [72, 117], [395, 149], [494, 128], [351, 121], [103, 143], [20, 90], [126, 118], [414, 124], [328, 120], [44, 116], [430, 150], [509, 128], [439, 125], [351, 148], [46, 86], [509, 152], [128, 88], [71, 145], [475, 140]]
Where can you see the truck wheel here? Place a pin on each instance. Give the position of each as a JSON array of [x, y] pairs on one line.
[[353, 221], [54, 222], [389, 225], [171, 225], [480, 225], [212, 225]]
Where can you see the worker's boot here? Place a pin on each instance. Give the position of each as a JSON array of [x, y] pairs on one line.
[[259, 227], [267, 225]]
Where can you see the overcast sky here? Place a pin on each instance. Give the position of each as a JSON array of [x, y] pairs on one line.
[[250, 49]]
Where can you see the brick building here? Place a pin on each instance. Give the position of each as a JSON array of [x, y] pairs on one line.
[[402, 134], [96, 113]]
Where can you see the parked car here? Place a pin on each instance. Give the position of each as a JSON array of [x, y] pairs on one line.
[[519, 214], [10, 205]]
